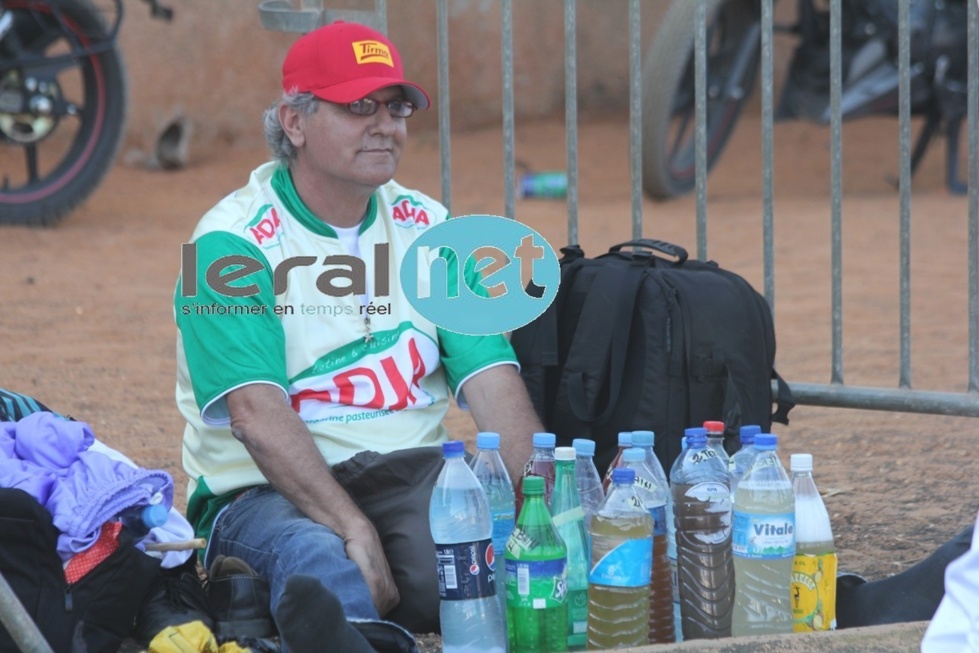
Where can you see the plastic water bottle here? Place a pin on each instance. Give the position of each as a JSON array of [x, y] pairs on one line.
[[763, 545], [488, 467], [541, 464], [552, 184], [654, 492], [536, 578], [705, 570], [741, 460], [568, 517], [590, 492], [671, 542], [462, 527], [813, 594], [621, 563], [715, 440], [624, 442], [139, 520]]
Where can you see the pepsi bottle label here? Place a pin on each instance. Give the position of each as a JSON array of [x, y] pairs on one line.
[[467, 570]]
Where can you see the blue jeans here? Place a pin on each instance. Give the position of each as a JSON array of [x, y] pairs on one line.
[[269, 533]]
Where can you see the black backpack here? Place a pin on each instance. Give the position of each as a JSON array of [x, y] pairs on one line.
[[636, 341]]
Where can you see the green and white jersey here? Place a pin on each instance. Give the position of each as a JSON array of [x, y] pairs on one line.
[[364, 370]]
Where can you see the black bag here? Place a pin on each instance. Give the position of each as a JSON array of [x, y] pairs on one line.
[[636, 341]]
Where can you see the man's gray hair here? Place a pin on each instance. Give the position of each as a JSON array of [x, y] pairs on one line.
[[275, 136]]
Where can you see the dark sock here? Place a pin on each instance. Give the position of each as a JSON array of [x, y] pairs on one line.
[[311, 620]]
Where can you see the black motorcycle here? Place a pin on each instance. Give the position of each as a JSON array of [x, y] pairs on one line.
[[62, 104], [869, 45]]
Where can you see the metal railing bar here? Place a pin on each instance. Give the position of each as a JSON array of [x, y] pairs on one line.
[[635, 116], [700, 135], [836, 187], [445, 134], [767, 120], [973, 129], [904, 162], [571, 115], [888, 399], [506, 11]]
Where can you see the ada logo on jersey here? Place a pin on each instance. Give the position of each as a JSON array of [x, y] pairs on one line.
[[406, 212]]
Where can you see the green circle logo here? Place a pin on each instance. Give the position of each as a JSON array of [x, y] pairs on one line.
[[480, 274]]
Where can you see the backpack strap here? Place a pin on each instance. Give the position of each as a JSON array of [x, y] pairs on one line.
[[784, 399], [608, 350]]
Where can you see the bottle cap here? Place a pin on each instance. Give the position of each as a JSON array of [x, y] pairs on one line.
[[714, 426], [625, 439], [487, 440], [453, 448], [696, 438], [748, 433], [694, 430], [583, 446], [533, 485], [564, 453], [800, 462], [643, 438], [155, 515], [766, 441], [623, 475], [544, 440], [635, 454]]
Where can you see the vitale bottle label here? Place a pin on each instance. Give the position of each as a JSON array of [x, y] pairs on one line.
[[466, 570], [763, 536]]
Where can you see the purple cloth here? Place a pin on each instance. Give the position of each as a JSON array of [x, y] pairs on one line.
[[47, 456]]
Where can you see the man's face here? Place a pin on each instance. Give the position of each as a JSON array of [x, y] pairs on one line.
[[361, 150]]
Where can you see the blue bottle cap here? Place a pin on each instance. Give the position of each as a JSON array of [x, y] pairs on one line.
[[625, 439], [635, 454], [453, 448], [155, 515], [696, 438], [583, 446], [748, 433], [623, 475], [487, 440], [643, 438], [766, 441], [544, 440], [694, 430]]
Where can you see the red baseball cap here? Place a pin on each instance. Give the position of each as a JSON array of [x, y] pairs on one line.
[[344, 62]]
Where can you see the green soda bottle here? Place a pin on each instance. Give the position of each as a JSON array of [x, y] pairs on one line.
[[569, 519], [536, 578]]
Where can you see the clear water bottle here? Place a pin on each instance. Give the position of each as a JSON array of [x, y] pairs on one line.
[[541, 464], [763, 545], [671, 540], [569, 519], [462, 527], [624, 442], [488, 467], [590, 492], [654, 493], [536, 578], [621, 564], [715, 440], [813, 593], [705, 570], [741, 460]]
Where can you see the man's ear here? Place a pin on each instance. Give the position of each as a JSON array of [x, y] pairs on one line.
[[292, 123]]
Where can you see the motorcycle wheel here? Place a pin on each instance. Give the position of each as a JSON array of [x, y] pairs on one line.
[[733, 51], [51, 161]]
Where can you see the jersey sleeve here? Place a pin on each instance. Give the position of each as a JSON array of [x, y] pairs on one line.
[[230, 332]]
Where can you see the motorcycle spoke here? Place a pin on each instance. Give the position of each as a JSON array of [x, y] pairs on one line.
[[681, 139], [30, 154]]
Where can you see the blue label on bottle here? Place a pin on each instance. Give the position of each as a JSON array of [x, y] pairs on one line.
[[659, 520], [466, 570], [763, 536], [628, 563], [503, 522]]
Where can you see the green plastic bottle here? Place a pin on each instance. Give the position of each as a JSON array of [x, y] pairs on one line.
[[536, 578], [569, 519]]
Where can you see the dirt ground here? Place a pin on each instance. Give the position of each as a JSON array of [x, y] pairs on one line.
[[86, 319]]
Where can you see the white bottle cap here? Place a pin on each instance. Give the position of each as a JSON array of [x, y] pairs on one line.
[[800, 462], [564, 453]]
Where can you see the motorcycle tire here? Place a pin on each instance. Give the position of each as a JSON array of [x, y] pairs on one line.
[[61, 163], [668, 110]]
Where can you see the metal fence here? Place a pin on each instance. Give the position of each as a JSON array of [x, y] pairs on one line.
[[280, 14]]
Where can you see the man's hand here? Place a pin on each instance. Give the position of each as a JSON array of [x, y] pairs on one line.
[[283, 448]]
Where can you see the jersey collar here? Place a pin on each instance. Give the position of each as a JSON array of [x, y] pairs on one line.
[[286, 190]]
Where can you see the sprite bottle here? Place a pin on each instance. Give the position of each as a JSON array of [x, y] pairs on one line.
[[536, 578], [569, 519]]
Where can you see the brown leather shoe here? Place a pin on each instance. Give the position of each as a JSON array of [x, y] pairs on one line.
[[239, 600]]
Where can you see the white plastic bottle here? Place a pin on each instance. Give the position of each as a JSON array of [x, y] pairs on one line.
[[813, 594], [462, 527], [590, 492], [488, 467], [763, 545]]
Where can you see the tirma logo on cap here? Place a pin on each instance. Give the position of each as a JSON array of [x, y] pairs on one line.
[[372, 52]]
